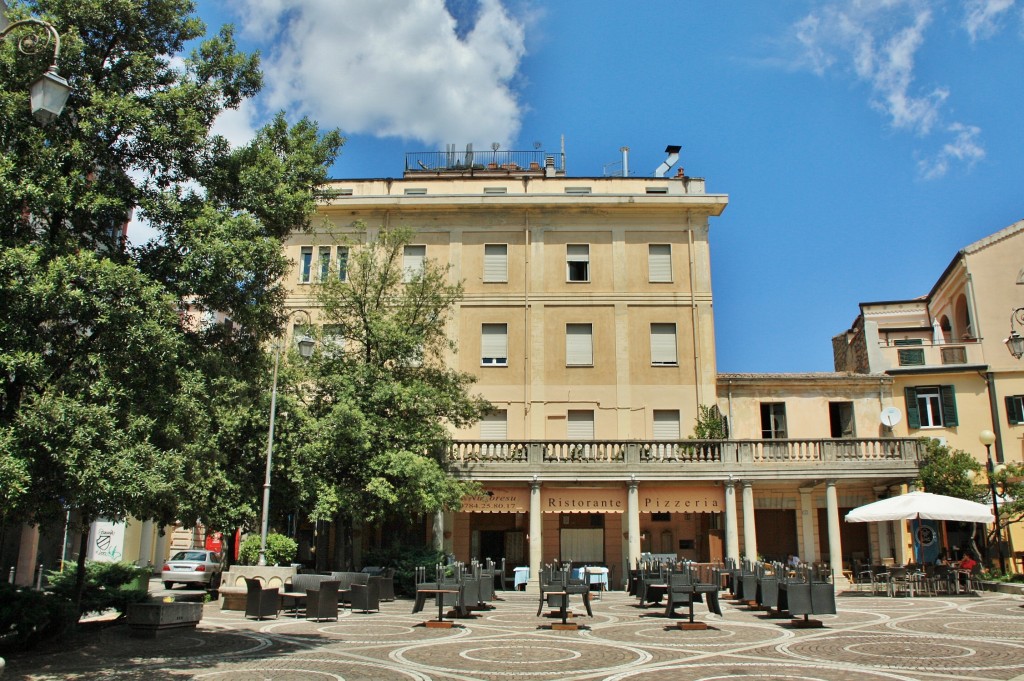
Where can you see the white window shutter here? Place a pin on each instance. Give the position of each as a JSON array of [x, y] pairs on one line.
[[663, 344], [659, 262], [496, 262], [580, 425], [579, 345], [666, 424], [412, 261], [494, 426], [494, 344]]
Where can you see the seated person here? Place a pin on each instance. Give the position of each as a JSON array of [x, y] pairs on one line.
[[966, 567], [793, 561]]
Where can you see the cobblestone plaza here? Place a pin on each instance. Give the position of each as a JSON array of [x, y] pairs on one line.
[[965, 637]]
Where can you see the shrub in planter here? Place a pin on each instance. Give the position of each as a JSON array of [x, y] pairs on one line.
[[405, 559], [281, 550], [107, 586], [28, 617]]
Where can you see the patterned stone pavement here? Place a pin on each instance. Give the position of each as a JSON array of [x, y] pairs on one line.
[[871, 639]]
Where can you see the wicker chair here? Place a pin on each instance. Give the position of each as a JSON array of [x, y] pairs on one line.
[[260, 602], [366, 597], [322, 603]]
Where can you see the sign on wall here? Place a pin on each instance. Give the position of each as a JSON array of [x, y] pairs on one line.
[[583, 500], [498, 500], [106, 542], [681, 499]]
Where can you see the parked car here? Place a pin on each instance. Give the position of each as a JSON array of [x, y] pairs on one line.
[[195, 567]]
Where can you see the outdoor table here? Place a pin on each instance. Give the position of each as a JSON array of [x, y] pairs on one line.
[[439, 593], [707, 593], [294, 597], [563, 602], [521, 575]]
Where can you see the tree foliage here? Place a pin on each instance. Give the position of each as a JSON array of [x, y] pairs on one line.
[[711, 424], [948, 472], [120, 394], [382, 397]]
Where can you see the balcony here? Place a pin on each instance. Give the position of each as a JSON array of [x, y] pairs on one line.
[[708, 459], [930, 355]]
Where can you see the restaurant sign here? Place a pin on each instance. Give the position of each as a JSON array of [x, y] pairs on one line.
[[682, 499], [583, 500], [498, 500]]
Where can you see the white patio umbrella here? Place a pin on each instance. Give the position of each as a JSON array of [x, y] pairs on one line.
[[922, 505]]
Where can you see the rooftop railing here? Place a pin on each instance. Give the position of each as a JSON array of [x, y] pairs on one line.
[[441, 161]]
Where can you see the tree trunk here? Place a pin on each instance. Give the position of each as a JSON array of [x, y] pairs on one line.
[[80, 565]]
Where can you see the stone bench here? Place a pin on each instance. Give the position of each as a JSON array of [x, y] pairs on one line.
[[148, 620], [232, 584]]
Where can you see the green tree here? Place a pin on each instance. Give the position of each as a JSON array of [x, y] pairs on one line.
[[381, 396], [119, 396], [710, 425], [949, 472]]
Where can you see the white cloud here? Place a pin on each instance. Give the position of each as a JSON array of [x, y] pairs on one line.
[[963, 148], [237, 126], [392, 67], [982, 17], [878, 42]]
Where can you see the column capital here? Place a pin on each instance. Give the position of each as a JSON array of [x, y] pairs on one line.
[[535, 485], [747, 484], [830, 483]]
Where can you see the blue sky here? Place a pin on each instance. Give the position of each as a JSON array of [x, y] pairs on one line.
[[862, 143]]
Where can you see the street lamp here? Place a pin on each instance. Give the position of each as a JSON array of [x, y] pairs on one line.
[[49, 92], [306, 345], [1015, 343], [987, 437]]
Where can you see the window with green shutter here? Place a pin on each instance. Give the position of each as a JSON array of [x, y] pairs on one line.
[[913, 413], [931, 406], [1015, 409]]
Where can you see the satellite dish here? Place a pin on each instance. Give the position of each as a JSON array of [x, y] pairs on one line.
[[890, 416]]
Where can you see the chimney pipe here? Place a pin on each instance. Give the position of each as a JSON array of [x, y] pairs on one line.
[[673, 155], [625, 161]]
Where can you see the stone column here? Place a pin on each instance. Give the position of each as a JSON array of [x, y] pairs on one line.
[[808, 550], [732, 532], [146, 545], [835, 542], [536, 539], [749, 528], [632, 526]]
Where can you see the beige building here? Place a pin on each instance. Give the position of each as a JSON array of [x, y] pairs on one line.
[[588, 319], [946, 354]]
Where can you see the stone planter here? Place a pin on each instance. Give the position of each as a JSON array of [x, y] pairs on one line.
[[148, 620]]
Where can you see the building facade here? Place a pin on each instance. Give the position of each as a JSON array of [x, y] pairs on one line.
[[588, 320]]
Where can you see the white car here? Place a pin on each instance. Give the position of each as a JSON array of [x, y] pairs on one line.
[[196, 567]]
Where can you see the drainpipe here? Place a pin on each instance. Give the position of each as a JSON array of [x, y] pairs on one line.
[[527, 393], [990, 386], [694, 320]]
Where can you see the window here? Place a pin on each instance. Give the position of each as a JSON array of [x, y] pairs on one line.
[[931, 406], [325, 262], [342, 263], [663, 345], [579, 345], [305, 264], [953, 355], [415, 191], [494, 345], [496, 263], [659, 263], [495, 190], [412, 261], [840, 418], [913, 357], [666, 424], [1015, 409], [580, 425], [773, 420], [494, 426], [577, 190], [577, 260], [656, 190]]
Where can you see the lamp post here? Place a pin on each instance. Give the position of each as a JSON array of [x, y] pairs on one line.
[[987, 437], [1015, 343], [49, 92], [306, 345]]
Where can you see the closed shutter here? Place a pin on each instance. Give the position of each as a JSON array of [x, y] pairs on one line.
[[496, 262], [580, 425], [659, 263], [946, 394], [494, 344], [579, 346], [666, 424], [913, 412], [494, 426], [1015, 409], [663, 344], [412, 261]]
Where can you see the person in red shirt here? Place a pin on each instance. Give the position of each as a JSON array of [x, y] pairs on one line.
[[967, 563]]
